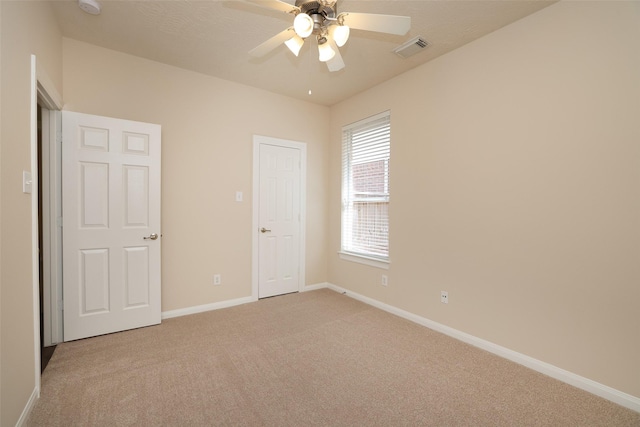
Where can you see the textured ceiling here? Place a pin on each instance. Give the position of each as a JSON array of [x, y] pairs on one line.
[[213, 37]]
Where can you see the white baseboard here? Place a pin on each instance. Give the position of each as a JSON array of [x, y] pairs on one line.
[[606, 392], [206, 307], [316, 287], [28, 407], [225, 304]]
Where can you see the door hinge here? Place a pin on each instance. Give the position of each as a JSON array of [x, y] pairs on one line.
[[59, 222], [59, 137]]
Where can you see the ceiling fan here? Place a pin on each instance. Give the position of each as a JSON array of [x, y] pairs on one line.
[[320, 18]]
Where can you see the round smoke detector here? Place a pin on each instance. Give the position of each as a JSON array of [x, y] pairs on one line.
[[90, 6]]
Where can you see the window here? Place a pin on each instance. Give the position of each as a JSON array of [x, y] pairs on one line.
[[366, 149]]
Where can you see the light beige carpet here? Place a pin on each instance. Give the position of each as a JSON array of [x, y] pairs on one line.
[[316, 358]]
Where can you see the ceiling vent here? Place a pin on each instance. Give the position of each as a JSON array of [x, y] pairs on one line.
[[411, 47]]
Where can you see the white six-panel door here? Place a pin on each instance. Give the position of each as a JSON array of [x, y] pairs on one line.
[[279, 220], [111, 225]]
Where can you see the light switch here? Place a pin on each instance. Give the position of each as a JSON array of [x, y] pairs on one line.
[[27, 182], [238, 196]]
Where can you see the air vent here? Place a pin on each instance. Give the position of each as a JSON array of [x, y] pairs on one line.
[[411, 47]]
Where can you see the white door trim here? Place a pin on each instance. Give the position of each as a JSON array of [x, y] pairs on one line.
[[259, 140], [43, 88], [51, 153]]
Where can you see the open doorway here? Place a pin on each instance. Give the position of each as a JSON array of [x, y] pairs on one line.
[[49, 165], [46, 346], [46, 161], [46, 215]]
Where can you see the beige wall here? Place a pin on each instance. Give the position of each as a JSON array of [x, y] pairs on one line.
[[514, 179], [207, 141], [27, 28]]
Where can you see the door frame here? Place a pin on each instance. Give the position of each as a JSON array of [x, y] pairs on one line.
[[43, 89], [259, 140]]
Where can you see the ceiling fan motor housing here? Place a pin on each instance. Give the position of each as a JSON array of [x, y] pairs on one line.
[[318, 11]]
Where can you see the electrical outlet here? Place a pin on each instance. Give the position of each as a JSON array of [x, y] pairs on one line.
[[385, 280], [217, 280], [444, 297]]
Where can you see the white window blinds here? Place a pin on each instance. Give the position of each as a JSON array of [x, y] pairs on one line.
[[366, 150]]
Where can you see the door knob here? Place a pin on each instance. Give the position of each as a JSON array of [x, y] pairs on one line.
[[152, 236], [264, 230]]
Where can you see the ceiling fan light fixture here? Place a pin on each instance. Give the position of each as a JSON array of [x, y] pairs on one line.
[[340, 34], [325, 53], [295, 44], [303, 25], [331, 29]]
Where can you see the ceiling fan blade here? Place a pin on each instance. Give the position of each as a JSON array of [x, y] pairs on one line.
[[336, 63], [391, 24], [272, 43], [275, 4]]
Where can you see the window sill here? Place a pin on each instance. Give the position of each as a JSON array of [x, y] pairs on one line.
[[373, 262]]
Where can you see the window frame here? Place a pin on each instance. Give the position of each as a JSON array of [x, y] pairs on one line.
[[349, 195]]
